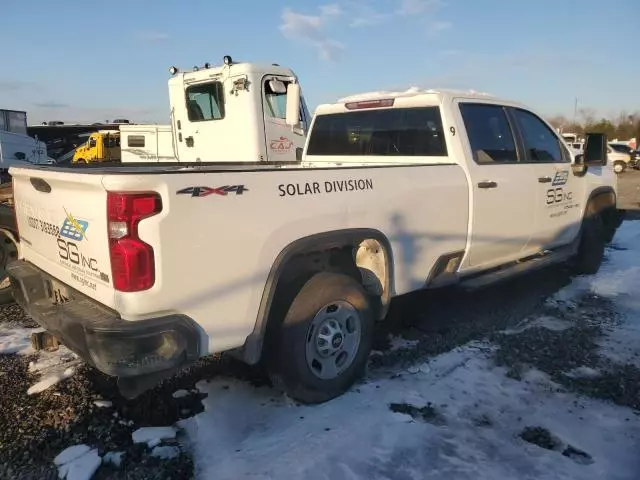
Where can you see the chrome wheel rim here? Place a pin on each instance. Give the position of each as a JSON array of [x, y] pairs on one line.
[[333, 339]]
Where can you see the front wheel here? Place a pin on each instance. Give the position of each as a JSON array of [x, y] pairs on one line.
[[322, 346], [591, 248]]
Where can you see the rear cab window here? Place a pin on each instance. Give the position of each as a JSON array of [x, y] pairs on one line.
[[389, 132]]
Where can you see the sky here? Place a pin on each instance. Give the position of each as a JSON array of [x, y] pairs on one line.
[[86, 60]]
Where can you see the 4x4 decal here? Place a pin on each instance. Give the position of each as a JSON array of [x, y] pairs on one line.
[[206, 191]]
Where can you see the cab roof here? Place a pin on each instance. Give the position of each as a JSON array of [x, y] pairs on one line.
[[413, 92], [411, 96], [234, 69]]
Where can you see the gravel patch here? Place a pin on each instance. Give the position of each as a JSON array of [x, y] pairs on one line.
[[571, 357]]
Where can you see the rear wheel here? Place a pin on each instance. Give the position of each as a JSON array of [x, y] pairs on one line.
[[8, 253], [322, 345]]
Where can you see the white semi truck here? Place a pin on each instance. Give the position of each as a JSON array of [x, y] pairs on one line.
[[292, 257]]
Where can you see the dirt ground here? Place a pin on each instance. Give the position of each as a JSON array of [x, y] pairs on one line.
[[629, 193]]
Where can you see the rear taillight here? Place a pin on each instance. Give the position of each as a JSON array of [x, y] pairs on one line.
[[132, 261]]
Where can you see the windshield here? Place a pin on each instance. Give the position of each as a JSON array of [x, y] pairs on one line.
[[620, 148]]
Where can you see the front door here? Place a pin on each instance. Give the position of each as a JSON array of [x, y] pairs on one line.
[[204, 138], [559, 192], [502, 194], [281, 140]]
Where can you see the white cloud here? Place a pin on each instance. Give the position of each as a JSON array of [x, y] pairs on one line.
[[310, 29], [365, 16], [418, 7], [437, 27], [331, 10]]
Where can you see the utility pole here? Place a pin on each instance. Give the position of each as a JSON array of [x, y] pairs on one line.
[[575, 110]]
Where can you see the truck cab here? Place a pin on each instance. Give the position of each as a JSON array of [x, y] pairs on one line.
[[237, 113], [16, 147], [101, 146]]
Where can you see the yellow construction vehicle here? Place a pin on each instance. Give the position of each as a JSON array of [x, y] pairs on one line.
[[101, 146]]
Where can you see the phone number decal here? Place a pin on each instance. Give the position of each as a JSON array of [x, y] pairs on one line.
[[45, 227]]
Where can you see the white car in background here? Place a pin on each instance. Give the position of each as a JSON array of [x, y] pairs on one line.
[[620, 156]]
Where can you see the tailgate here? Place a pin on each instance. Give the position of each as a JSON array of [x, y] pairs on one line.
[[62, 221]]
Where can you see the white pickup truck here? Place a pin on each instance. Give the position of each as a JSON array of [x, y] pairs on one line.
[[143, 270]]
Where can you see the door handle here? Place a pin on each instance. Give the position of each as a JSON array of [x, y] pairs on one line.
[[544, 179], [189, 141], [487, 185]]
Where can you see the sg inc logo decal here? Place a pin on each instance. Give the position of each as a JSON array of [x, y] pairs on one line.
[[73, 228], [560, 178]]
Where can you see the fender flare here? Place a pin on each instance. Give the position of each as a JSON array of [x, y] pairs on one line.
[[601, 199], [251, 351]]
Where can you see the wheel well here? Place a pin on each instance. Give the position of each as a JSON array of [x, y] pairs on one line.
[[363, 254], [601, 200]]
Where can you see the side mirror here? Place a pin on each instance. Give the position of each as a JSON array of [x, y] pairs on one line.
[[277, 86], [595, 149], [578, 167], [293, 104]]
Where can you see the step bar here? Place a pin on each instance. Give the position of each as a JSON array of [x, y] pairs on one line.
[[516, 269]]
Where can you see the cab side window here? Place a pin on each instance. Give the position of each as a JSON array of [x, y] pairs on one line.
[[489, 133], [275, 94], [540, 143]]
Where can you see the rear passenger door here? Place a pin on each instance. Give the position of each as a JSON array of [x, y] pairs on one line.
[[559, 191], [503, 192]]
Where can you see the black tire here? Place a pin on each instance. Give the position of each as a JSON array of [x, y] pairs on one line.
[[287, 349], [8, 253], [591, 247]]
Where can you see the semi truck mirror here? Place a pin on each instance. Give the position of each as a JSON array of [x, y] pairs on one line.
[[293, 104], [595, 149], [277, 86]]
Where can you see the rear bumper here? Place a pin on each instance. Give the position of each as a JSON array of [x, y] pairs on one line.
[[97, 334]]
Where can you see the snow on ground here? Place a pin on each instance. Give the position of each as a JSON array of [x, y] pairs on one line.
[[457, 416], [618, 280], [113, 458], [151, 434], [50, 379], [181, 393], [15, 339], [165, 452], [46, 360], [78, 462]]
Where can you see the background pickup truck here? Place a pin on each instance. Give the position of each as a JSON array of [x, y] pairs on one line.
[[142, 270]]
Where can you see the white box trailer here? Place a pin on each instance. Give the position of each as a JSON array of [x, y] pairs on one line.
[[146, 143]]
